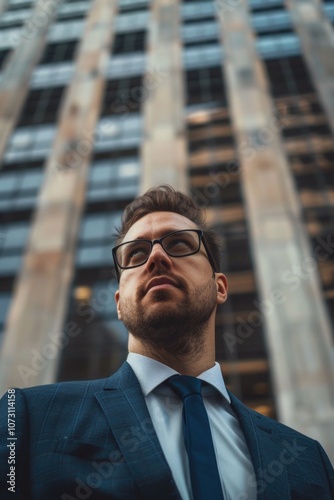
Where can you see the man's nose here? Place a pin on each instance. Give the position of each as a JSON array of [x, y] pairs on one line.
[[158, 258]]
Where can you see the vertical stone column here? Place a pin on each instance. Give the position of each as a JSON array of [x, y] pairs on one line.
[[296, 323], [29, 47], [317, 41], [163, 153], [33, 336]]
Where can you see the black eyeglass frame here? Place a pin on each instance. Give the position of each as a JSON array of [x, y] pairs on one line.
[[160, 241]]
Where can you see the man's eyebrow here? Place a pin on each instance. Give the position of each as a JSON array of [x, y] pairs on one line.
[[164, 233]]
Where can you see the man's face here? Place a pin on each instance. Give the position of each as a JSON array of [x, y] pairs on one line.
[[167, 301]]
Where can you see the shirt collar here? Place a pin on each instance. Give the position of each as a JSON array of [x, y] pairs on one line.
[[151, 373]]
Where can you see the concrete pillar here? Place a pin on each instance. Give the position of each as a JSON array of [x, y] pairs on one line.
[[33, 335], [29, 47], [295, 319], [317, 41], [163, 153]]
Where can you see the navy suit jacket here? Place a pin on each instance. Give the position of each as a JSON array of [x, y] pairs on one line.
[[95, 440]]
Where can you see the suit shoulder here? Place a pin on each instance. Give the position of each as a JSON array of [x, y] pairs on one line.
[[267, 423], [71, 389]]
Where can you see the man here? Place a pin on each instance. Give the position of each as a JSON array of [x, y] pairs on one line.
[[145, 432]]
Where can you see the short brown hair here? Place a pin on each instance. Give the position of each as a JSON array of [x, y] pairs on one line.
[[166, 199]]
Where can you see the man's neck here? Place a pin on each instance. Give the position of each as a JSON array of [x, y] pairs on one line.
[[192, 363]]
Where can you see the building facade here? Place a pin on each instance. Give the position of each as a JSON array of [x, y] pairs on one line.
[[228, 100]]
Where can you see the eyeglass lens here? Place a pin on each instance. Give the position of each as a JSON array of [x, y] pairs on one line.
[[179, 244]]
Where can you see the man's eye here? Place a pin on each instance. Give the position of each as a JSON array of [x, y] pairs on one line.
[[179, 244], [137, 251], [135, 254]]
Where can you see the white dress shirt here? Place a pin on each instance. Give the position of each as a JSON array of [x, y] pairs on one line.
[[165, 408]]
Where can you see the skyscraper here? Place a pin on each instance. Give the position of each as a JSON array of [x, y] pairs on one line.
[[229, 100]]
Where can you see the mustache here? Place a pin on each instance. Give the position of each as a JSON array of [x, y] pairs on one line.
[[179, 282]]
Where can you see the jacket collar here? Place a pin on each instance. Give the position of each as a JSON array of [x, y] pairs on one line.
[[124, 406], [266, 452]]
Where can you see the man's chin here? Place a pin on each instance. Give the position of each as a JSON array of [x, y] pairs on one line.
[[158, 294]]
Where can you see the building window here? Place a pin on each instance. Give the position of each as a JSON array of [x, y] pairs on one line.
[[3, 55], [205, 85], [123, 96], [199, 33], [41, 106], [127, 6], [19, 5], [288, 76], [18, 190], [95, 239], [272, 22], [265, 5], [113, 180], [58, 52], [134, 41], [73, 10], [13, 239]]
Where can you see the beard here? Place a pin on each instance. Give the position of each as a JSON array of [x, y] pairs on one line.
[[176, 326]]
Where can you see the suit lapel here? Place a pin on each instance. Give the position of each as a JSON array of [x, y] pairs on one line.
[[265, 450], [125, 409]]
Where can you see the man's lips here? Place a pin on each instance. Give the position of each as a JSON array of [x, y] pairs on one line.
[[162, 280]]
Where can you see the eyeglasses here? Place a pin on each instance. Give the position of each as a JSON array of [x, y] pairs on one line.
[[176, 244]]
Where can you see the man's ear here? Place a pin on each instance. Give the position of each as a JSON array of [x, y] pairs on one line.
[[119, 315], [222, 287]]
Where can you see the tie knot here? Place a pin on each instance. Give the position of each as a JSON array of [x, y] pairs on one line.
[[184, 385]]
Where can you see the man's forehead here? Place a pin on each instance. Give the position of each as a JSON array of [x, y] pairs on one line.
[[157, 224]]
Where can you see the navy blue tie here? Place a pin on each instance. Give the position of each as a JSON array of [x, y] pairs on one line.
[[205, 481]]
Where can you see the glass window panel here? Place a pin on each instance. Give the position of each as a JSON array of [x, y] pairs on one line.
[[68, 30], [94, 227], [99, 194], [194, 9], [131, 21], [45, 134], [5, 299], [19, 15], [114, 221], [278, 45], [129, 170], [100, 172], [8, 182], [31, 180], [130, 142], [106, 257], [15, 236], [21, 139], [126, 191], [10, 264], [75, 7], [90, 256], [4, 206], [24, 202], [39, 153]]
